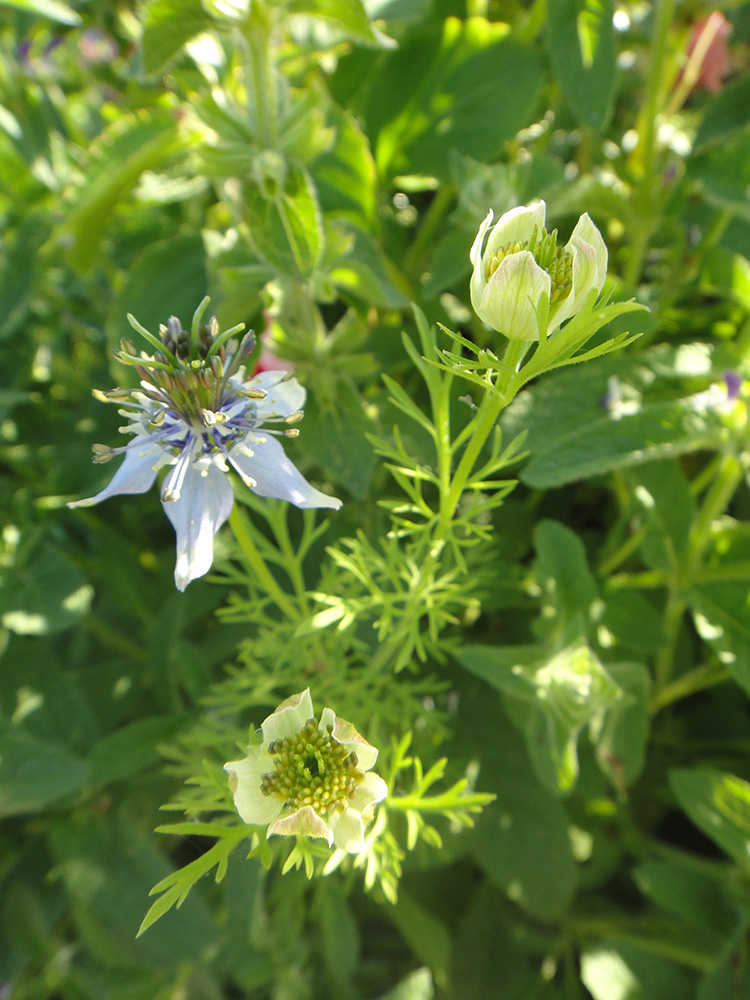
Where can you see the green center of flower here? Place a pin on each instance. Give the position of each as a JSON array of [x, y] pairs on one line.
[[312, 769], [555, 260]]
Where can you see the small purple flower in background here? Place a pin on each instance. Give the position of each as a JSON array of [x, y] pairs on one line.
[[309, 778], [733, 382], [197, 412]]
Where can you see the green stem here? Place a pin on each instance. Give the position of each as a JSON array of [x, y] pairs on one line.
[[263, 74], [265, 578], [426, 233], [644, 215], [489, 410], [690, 683], [728, 476]]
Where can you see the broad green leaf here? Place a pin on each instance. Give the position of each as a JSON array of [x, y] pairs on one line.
[[17, 270], [334, 435], [614, 970], [691, 894], [349, 16], [131, 749], [719, 804], [664, 495], [121, 154], [723, 173], [426, 934], [562, 572], [44, 592], [659, 430], [345, 174], [622, 739], [167, 279], [34, 774], [417, 985], [340, 938], [167, 26], [581, 47], [721, 614], [726, 113], [364, 273], [53, 9], [450, 91], [633, 622], [285, 222]]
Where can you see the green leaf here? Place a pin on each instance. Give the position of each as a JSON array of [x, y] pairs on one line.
[[664, 494], [34, 775], [167, 25], [613, 970], [285, 222], [349, 16], [441, 92], [130, 750], [659, 430], [340, 937], [44, 592], [719, 804], [580, 42], [721, 614], [46, 8], [167, 279], [134, 144], [622, 742], [334, 435], [426, 935], [633, 622], [725, 113], [561, 570]]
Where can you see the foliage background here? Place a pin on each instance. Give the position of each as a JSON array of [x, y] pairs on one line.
[[316, 179]]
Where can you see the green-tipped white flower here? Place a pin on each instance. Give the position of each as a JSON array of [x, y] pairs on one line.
[[309, 778], [524, 284]]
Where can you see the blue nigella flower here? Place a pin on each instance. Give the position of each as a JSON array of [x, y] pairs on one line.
[[199, 413]]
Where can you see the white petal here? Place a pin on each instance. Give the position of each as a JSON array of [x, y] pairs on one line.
[[587, 232], [516, 226], [511, 298], [345, 733], [244, 780], [373, 789], [289, 717], [275, 475], [285, 395], [584, 280], [204, 504], [348, 831], [478, 280], [304, 822], [136, 474]]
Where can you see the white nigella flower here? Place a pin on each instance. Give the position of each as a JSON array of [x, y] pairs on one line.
[[524, 284], [309, 778], [197, 412]]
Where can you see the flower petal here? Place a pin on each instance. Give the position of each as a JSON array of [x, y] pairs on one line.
[[304, 822], [274, 474], [511, 298], [345, 733], [372, 790], [244, 780], [289, 717], [517, 225], [586, 232], [203, 505], [285, 395], [584, 280], [136, 474], [478, 280], [348, 831]]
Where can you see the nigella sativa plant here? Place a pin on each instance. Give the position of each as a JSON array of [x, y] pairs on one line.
[[198, 412]]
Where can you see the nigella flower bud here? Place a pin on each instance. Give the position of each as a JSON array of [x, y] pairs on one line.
[[523, 284]]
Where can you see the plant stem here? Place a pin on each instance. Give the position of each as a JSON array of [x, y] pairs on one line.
[[644, 196], [240, 528], [690, 683]]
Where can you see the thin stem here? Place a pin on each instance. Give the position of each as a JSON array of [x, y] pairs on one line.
[[690, 683], [644, 219], [240, 528]]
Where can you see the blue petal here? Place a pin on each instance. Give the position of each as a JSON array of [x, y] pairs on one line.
[[203, 505], [135, 475], [275, 475]]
